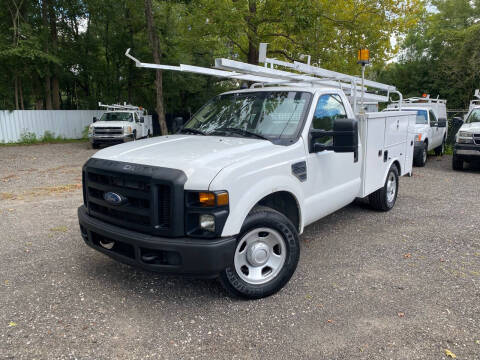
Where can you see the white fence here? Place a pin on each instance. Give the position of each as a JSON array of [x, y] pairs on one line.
[[64, 123]]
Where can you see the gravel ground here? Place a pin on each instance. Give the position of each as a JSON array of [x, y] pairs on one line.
[[400, 285]]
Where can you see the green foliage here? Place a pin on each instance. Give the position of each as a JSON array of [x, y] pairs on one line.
[[85, 133], [81, 43], [28, 137], [440, 55], [48, 136]]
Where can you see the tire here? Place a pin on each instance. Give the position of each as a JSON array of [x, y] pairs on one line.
[[148, 134], [94, 146], [421, 158], [134, 135], [457, 163], [384, 198], [267, 238], [440, 150]]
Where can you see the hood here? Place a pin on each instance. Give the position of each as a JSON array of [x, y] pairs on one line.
[[420, 128], [474, 127], [200, 157], [111, 124]]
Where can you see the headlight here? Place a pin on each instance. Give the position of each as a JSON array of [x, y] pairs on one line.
[[418, 137], [206, 213], [207, 222], [465, 137], [127, 129], [465, 134]]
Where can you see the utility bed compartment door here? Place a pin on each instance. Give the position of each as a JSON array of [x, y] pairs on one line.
[[385, 136]]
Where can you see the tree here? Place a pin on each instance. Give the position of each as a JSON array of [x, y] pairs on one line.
[[152, 34]]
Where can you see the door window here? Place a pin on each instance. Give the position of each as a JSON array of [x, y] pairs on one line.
[[433, 119], [329, 108]]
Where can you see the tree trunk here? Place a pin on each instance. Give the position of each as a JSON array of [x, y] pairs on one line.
[[48, 93], [252, 33], [55, 93], [152, 34], [54, 39], [47, 83], [16, 93], [22, 106]]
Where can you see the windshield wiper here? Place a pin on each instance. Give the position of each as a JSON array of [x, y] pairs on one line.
[[192, 131], [242, 132]]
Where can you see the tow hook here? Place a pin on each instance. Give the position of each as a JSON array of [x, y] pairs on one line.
[[108, 245]]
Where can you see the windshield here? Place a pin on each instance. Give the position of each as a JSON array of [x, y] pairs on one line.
[[265, 114], [474, 116], [117, 116]]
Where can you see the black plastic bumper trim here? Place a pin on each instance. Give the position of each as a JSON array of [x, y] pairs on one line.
[[198, 257]]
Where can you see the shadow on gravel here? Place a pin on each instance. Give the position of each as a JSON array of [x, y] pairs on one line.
[[130, 281]]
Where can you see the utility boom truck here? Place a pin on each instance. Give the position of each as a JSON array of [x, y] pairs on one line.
[[431, 125], [229, 195], [119, 124]]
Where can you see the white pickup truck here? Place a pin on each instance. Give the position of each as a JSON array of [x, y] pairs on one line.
[[119, 124], [467, 140], [431, 125], [230, 194]]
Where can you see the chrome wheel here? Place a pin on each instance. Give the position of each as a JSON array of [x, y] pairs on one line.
[[260, 255], [391, 187]]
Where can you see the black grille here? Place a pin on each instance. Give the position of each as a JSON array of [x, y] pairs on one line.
[[108, 130], [476, 138], [146, 204]]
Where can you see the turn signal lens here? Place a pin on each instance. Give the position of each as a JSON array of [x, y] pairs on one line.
[[206, 198], [222, 199]]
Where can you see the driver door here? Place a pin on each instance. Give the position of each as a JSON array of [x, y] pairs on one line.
[[334, 178], [436, 134]]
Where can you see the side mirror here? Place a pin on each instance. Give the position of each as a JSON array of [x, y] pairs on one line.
[[95, 119], [142, 119], [345, 137], [442, 123], [457, 121]]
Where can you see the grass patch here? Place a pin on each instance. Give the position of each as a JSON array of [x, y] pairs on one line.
[[30, 138], [59, 229]]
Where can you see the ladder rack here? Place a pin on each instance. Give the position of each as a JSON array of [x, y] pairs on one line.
[[125, 106], [300, 74]]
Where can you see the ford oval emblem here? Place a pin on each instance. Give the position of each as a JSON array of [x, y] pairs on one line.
[[114, 198]]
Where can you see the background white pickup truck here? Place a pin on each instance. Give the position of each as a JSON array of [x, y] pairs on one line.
[[120, 123], [230, 194], [467, 140], [431, 125]]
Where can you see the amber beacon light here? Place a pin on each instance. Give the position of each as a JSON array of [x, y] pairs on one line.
[[363, 57]]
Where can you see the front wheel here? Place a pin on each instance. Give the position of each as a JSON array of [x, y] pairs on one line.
[[422, 156], [457, 163], [266, 255], [384, 198]]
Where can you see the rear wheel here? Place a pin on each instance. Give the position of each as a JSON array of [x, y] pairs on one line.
[[440, 150], [266, 255], [457, 163], [421, 158], [384, 198]]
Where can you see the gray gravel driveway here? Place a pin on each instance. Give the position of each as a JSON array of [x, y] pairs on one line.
[[397, 285]]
